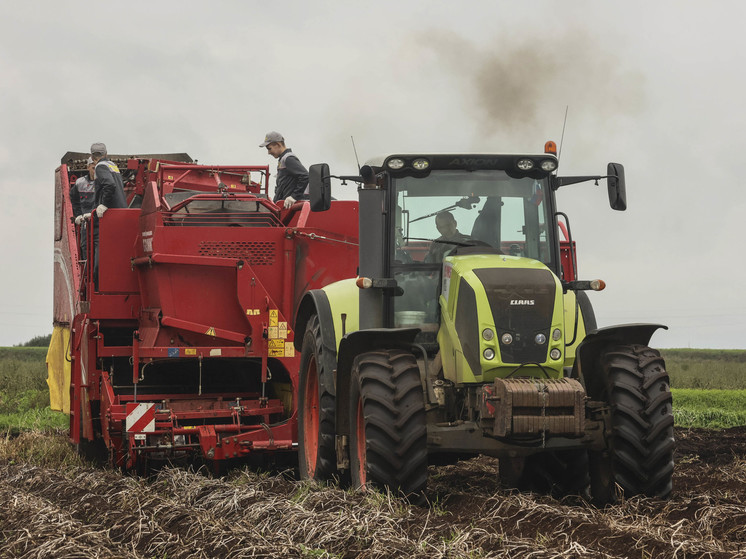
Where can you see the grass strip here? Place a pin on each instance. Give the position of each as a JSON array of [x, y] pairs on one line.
[[711, 409]]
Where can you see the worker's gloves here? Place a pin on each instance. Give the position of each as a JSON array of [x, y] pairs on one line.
[[79, 220], [100, 211], [86, 217], [289, 201]]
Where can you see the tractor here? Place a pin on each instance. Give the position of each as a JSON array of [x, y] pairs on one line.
[[467, 332]]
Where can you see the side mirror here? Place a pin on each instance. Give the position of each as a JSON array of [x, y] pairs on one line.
[[319, 187], [617, 187]]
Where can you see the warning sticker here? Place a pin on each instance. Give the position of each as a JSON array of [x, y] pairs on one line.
[[276, 348], [273, 317], [211, 331], [190, 351], [289, 350], [273, 332], [283, 330]]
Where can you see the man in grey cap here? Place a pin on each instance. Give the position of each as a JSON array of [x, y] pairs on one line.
[[109, 193], [292, 176], [109, 184]]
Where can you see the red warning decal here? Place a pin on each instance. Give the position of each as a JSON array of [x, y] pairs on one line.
[[140, 418]]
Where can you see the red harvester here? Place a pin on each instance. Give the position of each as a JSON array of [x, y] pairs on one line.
[[184, 344]]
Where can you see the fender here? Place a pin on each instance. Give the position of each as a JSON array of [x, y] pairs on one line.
[[589, 350], [352, 345], [317, 302]]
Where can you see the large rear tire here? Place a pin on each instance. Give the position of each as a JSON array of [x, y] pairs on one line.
[[316, 401], [388, 442], [639, 456]]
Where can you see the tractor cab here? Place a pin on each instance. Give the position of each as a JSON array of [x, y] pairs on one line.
[[457, 212]]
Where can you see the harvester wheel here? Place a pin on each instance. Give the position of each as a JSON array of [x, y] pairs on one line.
[[92, 451], [639, 456], [316, 452], [388, 442]]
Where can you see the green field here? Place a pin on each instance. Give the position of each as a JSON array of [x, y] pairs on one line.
[[24, 397], [709, 388]]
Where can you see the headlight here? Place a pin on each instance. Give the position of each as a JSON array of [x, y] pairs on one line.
[[549, 165], [395, 163], [507, 339], [488, 334], [555, 354], [420, 164], [557, 334], [525, 164], [540, 339], [489, 354]]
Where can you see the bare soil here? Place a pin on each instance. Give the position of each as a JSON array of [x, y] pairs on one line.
[[80, 511]]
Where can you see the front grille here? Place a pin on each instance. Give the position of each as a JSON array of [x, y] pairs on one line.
[[255, 253], [522, 304]]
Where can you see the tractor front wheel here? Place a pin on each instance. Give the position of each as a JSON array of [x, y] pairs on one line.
[[388, 434], [638, 459]]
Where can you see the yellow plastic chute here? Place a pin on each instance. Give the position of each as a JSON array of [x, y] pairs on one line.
[[59, 370]]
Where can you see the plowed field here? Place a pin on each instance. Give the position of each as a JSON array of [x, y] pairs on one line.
[[77, 511]]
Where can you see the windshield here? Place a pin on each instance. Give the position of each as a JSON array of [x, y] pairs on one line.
[[449, 209]]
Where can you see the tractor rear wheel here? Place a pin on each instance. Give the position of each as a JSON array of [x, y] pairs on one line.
[[316, 452], [388, 442], [639, 455]]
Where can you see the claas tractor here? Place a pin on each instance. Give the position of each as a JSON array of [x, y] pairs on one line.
[[467, 332]]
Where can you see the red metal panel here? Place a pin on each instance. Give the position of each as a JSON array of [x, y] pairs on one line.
[[66, 261]]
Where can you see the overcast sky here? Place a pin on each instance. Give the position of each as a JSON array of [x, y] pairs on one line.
[[657, 86]]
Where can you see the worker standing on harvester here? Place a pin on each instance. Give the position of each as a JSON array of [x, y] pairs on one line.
[[292, 176], [82, 199], [109, 192]]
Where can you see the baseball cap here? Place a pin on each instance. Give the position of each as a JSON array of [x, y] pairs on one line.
[[271, 137], [98, 147]]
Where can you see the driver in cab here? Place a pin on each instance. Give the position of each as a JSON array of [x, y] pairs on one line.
[[448, 229]]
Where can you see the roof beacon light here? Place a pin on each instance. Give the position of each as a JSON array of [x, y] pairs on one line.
[[550, 147]]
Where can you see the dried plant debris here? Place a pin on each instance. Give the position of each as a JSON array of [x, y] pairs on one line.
[[75, 510]]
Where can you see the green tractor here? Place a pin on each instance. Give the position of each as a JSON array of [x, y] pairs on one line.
[[467, 332]]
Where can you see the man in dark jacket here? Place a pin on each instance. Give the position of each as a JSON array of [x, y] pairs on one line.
[[292, 176], [109, 193], [109, 184]]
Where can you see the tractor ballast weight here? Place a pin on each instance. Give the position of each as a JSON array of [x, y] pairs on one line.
[[487, 345], [183, 345]]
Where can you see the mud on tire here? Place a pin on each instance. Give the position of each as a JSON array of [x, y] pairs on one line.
[[639, 458], [388, 442], [316, 402]]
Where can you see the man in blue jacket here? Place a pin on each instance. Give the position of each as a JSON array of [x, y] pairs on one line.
[[292, 176], [81, 199]]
